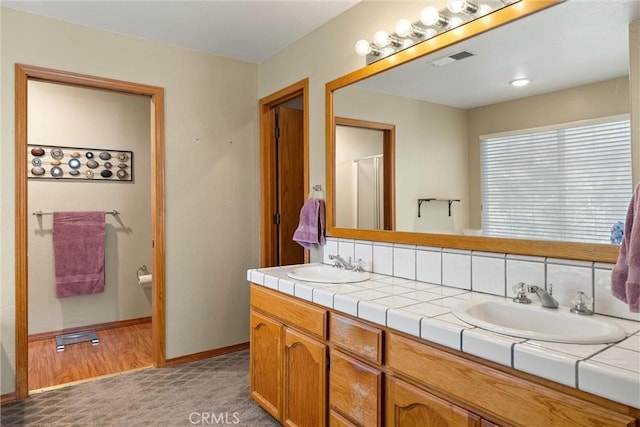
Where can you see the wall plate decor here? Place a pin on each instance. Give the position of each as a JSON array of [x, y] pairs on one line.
[[79, 164]]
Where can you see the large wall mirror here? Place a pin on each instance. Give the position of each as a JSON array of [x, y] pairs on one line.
[[446, 112]]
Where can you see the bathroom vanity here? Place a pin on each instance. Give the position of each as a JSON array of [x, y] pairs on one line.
[[315, 364]]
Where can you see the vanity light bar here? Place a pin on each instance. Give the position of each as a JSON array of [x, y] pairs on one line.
[[431, 23]]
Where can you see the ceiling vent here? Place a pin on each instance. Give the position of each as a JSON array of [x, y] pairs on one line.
[[446, 60]]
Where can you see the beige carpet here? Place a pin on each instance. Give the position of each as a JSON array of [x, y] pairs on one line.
[[208, 392]]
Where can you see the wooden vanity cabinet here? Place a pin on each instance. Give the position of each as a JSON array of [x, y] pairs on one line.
[[288, 374], [409, 406], [379, 377], [355, 378], [265, 377]]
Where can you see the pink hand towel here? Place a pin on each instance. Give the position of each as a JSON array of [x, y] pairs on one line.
[[311, 228], [78, 248], [625, 277]]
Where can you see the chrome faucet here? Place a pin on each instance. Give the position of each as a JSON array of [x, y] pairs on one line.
[[545, 297], [339, 262], [522, 289]]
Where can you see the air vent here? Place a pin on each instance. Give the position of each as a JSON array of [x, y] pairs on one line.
[[446, 60]]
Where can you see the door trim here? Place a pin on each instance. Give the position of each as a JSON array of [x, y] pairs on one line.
[[389, 162], [23, 73], [268, 253]]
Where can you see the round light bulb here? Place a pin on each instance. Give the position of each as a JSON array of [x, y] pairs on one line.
[[403, 27], [429, 15], [484, 9], [456, 21], [363, 47], [381, 38], [456, 6], [430, 32]]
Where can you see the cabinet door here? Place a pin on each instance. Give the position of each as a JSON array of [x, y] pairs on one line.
[[408, 406], [305, 381], [355, 390], [266, 363]]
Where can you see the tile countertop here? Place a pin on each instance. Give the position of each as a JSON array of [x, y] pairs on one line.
[[423, 310]]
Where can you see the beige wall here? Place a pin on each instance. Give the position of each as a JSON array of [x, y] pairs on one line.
[[431, 156], [602, 99], [69, 116], [211, 172]]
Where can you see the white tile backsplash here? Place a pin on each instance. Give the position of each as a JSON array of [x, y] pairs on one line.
[[383, 259], [488, 275], [364, 251], [404, 262], [456, 270], [529, 271], [605, 302], [330, 248], [429, 266], [424, 268], [346, 249], [567, 279]]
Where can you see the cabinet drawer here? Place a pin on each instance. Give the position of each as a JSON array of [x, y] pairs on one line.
[[362, 340], [291, 311], [501, 397], [355, 390], [336, 420], [408, 406]]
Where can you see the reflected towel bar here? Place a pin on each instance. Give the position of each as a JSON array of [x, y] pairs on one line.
[[40, 213]]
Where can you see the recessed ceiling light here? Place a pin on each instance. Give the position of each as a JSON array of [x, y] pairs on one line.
[[519, 82]]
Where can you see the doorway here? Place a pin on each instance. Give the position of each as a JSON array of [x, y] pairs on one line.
[[284, 176], [364, 164], [155, 95]]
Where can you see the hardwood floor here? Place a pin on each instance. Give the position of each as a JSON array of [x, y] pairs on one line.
[[120, 349]]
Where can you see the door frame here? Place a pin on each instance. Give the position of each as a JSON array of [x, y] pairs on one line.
[[24, 73], [268, 190], [388, 161]]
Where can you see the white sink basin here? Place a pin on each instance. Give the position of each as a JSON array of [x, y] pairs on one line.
[[538, 323], [327, 274]]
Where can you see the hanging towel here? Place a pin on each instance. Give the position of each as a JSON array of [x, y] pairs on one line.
[[78, 250], [310, 229], [625, 277]]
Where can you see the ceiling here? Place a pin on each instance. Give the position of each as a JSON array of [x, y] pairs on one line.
[[567, 45], [250, 31]]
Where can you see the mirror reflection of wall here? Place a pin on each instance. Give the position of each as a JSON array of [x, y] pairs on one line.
[[440, 112]]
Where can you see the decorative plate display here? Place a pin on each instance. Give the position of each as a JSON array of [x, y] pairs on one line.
[[49, 162]]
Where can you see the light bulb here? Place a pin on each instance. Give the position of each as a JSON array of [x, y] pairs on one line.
[[363, 47], [456, 21], [403, 27], [430, 32], [429, 15], [484, 9], [381, 38], [456, 6]]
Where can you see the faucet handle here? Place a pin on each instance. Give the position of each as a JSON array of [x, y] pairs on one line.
[[521, 290], [580, 302]]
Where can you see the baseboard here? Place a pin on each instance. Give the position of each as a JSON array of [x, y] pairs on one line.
[[7, 398], [207, 354], [95, 327]]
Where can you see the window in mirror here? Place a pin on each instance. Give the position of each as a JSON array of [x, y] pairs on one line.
[[569, 182]]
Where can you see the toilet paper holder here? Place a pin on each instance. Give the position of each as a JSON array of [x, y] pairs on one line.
[[142, 270]]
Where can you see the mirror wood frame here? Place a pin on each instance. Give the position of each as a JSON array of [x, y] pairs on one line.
[[554, 249]]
